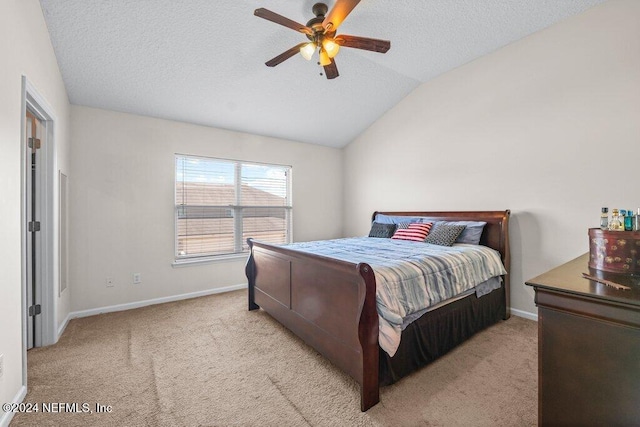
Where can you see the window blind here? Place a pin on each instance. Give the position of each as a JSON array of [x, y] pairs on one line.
[[220, 203]]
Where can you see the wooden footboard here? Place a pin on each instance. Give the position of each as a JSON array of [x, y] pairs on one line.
[[330, 304]]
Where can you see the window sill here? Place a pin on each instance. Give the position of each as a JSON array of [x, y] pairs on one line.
[[209, 260]]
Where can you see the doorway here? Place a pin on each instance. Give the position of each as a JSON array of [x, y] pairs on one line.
[[39, 234], [33, 146]]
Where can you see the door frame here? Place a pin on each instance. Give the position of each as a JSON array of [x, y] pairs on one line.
[[36, 103]]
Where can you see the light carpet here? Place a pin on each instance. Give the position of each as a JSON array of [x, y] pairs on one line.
[[209, 362]]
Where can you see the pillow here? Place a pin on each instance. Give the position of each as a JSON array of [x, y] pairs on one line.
[[397, 219], [416, 232], [382, 230], [472, 232], [444, 234]]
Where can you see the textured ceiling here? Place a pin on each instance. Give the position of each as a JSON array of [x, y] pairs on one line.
[[202, 61]]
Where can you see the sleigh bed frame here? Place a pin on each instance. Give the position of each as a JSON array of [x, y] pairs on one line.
[[331, 305]]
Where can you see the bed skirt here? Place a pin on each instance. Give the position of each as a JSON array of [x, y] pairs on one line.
[[436, 332]]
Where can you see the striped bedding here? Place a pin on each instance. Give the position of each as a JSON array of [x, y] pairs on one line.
[[411, 276]]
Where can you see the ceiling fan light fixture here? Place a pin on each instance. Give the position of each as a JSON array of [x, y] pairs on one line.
[[307, 50], [321, 34], [324, 58], [331, 47]]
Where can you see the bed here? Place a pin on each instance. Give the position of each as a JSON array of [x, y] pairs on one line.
[[331, 305]]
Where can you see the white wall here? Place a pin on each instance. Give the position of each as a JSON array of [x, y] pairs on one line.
[[25, 49], [122, 195], [548, 127]]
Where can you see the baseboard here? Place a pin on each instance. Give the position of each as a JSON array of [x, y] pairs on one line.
[[525, 314], [8, 416], [62, 327], [138, 304]]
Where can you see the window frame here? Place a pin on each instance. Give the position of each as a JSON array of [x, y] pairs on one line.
[[236, 208]]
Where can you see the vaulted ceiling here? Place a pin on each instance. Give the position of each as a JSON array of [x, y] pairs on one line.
[[202, 61]]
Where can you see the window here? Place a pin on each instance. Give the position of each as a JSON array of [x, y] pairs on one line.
[[220, 203]]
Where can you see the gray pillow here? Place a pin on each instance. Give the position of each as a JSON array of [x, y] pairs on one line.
[[444, 234], [397, 219], [472, 232], [382, 230]]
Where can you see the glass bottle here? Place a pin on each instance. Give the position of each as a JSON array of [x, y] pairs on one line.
[[615, 224], [604, 219], [637, 221], [628, 221]]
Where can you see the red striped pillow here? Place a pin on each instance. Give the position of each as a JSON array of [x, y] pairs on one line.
[[416, 232]]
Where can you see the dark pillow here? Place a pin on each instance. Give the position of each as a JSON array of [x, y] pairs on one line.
[[444, 234], [471, 233], [382, 230]]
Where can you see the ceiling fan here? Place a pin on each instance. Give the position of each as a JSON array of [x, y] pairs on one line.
[[321, 31]]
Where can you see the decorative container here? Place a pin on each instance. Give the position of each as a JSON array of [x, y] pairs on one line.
[[614, 251]]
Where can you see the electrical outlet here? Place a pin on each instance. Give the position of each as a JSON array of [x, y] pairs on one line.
[[1, 365], [137, 278], [109, 282]]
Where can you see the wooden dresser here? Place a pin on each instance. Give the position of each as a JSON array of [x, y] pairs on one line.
[[588, 347]]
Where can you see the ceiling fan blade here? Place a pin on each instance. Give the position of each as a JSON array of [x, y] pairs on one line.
[[331, 70], [340, 10], [284, 55], [279, 19], [365, 43]]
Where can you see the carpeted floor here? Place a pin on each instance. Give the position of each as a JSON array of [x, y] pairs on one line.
[[209, 362]]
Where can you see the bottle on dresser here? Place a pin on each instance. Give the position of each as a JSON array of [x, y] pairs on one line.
[[628, 221], [615, 224], [604, 219], [636, 225]]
